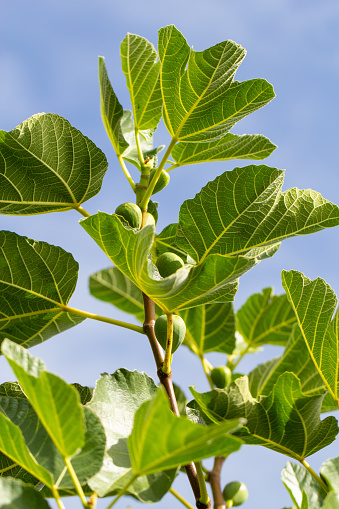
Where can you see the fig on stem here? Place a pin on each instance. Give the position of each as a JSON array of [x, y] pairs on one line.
[[235, 493], [221, 376], [179, 331], [131, 213], [162, 181], [168, 263]]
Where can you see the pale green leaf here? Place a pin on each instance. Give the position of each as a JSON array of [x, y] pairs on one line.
[[214, 280], [201, 101], [47, 165], [210, 328], [329, 471], [298, 481], [160, 440], [285, 420], [111, 110], [314, 303], [16, 495], [230, 146], [138, 58], [116, 399], [130, 154], [266, 318], [55, 402], [331, 501], [86, 462], [245, 209], [37, 282]]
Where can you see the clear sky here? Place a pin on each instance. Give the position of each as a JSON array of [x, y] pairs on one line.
[[49, 62]]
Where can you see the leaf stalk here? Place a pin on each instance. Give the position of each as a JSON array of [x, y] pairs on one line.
[[112, 321]]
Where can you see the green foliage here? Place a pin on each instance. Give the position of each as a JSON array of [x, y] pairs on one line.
[[128, 436]]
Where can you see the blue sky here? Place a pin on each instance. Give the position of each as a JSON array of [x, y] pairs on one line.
[[49, 61]]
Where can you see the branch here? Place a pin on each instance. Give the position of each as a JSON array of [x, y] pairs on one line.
[[166, 381], [214, 480]]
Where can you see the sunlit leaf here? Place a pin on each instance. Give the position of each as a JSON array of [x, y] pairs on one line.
[[37, 281], [55, 402], [116, 399], [298, 481], [16, 495], [266, 318], [111, 110], [230, 146], [214, 280], [46, 165], [331, 501], [165, 241], [314, 303], [245, 209], [285, 420], [201, 101], [161, 440], [210, 328], [138, 58]]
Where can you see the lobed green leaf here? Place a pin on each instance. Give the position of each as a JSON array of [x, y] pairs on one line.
[[16, 495], [37, 281], [244, 209], [285, 420], [314, 303], [299, 483], [47, 165]]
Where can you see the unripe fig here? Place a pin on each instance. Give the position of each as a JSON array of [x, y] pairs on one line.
[[168, 263], [179, 331], [235, 493], [221, 376], [149, 219], [131, 213], [162, 181]]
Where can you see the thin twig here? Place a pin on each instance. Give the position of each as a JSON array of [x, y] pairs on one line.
[[214, 479]]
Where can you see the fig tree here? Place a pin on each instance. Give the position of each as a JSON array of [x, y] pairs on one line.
[[179, 331], [235, 493], [162, 181], [131, 213], [221, 376], [168, 263], [149, 219]]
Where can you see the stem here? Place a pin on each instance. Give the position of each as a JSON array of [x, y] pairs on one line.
[[126, 172], [315, 475], [206, 365], [122, 491], [140, 154], [166, 381], [76, 483], [82, 211], [233, 365], [166, 368], [214, 479], [204, 498], [85, 314], [57, 498], [181, 498], [144, 202]]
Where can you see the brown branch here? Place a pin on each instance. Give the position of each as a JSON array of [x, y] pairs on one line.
[[166, 381], [214, 478]]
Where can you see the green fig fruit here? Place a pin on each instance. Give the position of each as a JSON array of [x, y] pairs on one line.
[[179, 331], [149, 219], [235, 493], [162, 181], [168, 263], [221, 376], [131, 213]]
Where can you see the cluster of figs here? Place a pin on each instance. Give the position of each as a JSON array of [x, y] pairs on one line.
[[167, 264]]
